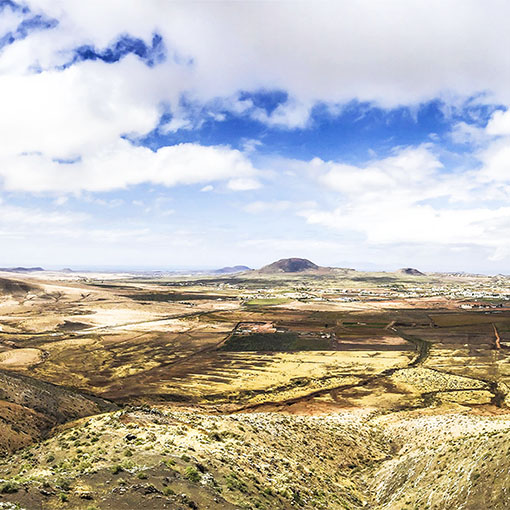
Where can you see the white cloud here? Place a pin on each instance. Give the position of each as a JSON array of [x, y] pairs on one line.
[[19, 219], [499, 123], [243, 184], [496, 162], [291, 114], [464, 133], [390, 53], [407, 199], [263, 207], [121, 165], [260, 206], [251, 145], [65, 114], [410, 168], [332, 51], [59, 201], [9, 20]]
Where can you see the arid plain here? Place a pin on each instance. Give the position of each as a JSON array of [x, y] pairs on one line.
[[327, 388]]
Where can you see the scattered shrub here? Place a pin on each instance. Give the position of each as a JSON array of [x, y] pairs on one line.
[[8, 488], [167, 491], [192, 474]]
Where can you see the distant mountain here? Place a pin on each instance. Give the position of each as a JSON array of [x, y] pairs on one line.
[[21, 269], [292, 265], [232, 269], [410, 271]]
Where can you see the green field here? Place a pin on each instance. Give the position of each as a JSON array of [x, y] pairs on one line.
[[276, 342]]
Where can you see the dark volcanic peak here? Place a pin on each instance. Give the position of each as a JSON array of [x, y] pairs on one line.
[[411, 271], [232, 269], [293, 265]]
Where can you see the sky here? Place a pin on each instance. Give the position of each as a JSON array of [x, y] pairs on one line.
[[184, 134]]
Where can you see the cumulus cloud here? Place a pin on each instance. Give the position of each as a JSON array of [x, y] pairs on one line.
[[408, 198], [122, 164], [409, 169], [333, 52], [496, 162], [65, 114], [63, 128], [291, 114], [330, 52], [469, 134], [73, 93], [499, 123]]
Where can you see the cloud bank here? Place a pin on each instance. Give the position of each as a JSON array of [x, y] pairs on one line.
[[99, 97]]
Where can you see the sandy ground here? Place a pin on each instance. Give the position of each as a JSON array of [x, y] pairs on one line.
[[20, 357], [117, 316]]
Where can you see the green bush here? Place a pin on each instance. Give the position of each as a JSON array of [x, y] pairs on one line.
[[63, 484], [233, 483], [192, 474], [8, 488]]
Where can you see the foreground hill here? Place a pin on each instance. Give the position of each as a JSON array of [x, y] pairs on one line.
[[153, 459], [29, 409], [292, 265]]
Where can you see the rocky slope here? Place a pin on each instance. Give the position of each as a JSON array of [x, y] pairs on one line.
[[29, 409], [154, 459]]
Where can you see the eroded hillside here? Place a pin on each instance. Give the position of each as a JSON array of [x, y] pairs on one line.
[[161, 459]]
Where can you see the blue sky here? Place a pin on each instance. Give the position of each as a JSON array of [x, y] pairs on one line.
[[203, 134]]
